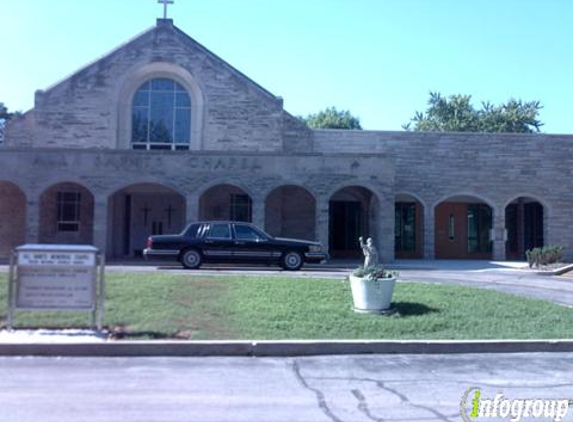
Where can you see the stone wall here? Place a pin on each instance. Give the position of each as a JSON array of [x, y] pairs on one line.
[[496, 168], [191, 174], [91, 108], [12, 217], [289, 212]]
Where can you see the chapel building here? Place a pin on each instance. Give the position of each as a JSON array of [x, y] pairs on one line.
[[161, 132]]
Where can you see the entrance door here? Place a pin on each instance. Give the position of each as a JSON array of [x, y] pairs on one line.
[[524, 225], [345, 228], [463, 231], [405, 230]]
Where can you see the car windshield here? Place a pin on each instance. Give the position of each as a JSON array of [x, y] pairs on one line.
[[243, 232]]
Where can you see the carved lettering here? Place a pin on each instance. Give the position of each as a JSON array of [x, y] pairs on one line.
[[49, 160], [149, 163]]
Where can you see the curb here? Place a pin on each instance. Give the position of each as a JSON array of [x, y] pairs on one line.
[[557, 271], [279, 348]]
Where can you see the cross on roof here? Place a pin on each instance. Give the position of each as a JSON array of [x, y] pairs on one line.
[[165, 4]]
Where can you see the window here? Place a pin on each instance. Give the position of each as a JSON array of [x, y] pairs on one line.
[[479, 226], [241, 208], [247, 233], [193, 231], [220, 231], [161, 116], [68, 204], [451, 227]]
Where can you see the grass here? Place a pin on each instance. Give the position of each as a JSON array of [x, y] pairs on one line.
[[155, 305]]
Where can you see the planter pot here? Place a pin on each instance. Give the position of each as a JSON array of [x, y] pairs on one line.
[[372, 296]]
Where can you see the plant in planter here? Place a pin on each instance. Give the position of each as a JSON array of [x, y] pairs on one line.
[[372, 289]]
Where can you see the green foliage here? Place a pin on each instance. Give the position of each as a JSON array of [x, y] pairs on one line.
[[544, 256], [158, 305], [306, 308], [457, 114], [374, 273], [4, 111], [331, 118], [4, 117]]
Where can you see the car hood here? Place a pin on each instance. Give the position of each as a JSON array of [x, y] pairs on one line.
[[299, 242]]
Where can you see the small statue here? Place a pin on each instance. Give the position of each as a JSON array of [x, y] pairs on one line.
[[369, 251]]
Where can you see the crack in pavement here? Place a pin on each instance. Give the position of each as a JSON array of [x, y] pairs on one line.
[[319, 394], [363, 405], [406, 400], [423, 380], [382, 385]]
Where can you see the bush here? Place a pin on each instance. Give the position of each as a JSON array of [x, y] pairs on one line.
[[544, 256]]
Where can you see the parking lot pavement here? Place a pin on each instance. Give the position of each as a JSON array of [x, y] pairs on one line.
[[310, 389]]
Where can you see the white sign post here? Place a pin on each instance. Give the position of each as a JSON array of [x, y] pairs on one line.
[[57, 277]]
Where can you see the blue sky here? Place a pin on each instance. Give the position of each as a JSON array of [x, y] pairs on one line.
[[377, 58]]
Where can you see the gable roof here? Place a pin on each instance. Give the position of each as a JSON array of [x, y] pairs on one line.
[[186, 41]]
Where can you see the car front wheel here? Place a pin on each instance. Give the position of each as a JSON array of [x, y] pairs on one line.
[[191, 259], [292, 261]]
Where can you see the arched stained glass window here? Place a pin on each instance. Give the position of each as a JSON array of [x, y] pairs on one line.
[[161, 116]]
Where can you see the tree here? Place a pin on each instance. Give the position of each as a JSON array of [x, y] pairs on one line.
[[4, 117], [456, 113], [331, 118]]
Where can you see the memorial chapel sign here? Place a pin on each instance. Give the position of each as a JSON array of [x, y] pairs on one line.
[[57, 277]]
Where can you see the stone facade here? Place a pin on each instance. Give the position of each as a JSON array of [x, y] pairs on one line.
[[496, 168], [326, 184]]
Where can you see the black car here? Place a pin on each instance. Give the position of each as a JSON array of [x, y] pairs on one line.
[[232, 242]]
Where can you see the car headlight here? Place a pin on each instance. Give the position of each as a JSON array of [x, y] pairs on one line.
[[315, 248]]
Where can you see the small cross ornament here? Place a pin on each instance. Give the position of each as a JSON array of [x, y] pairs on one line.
[[165, 3]]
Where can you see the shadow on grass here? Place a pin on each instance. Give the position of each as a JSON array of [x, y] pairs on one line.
[[413, 308]]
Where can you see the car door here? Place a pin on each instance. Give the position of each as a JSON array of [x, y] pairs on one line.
[[218, 243], [250, 245]]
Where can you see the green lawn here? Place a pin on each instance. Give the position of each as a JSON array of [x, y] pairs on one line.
[[154, 305]]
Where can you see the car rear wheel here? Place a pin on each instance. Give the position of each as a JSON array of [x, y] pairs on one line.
[[191, 259], [292, 261]]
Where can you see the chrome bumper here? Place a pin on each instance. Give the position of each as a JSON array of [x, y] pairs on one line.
[[316, 256], [160, 253]]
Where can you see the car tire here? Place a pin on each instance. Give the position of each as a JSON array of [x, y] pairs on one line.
[[292, 261], [191, 259]]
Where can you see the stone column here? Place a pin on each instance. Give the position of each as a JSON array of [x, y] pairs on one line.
[[322, 222], [259, 212], [32, 218], [498, 239], [191, 208], [100, 225], [382, 223], [429, 233]]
